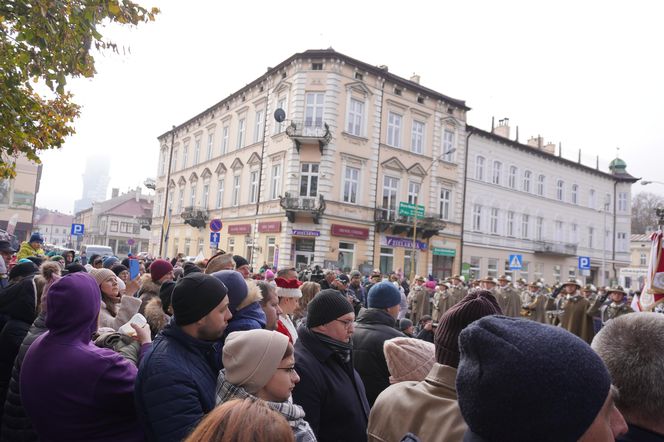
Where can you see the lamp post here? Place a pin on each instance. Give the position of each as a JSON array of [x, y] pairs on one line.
[[646, 182], [607, 204]]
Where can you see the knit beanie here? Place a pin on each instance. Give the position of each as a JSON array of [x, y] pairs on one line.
[[159, 268], [269, 274], [23, 269], [251, 357], [560, 385], [194, 296], [475, 305], [75, 267], [383, 295], [36, 237], [109, 262], [288, 288], [101, 275], [240, 261], [408, 359], [118, 268], [190, 267], [236, 285], [327, 305], [404, 324], [166, 295]]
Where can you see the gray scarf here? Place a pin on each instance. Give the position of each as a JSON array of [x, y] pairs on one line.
[[341, 349]]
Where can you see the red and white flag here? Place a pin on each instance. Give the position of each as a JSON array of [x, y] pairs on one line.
[[653, 289]]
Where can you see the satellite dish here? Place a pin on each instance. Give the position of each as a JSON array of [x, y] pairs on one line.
[[279, 115]]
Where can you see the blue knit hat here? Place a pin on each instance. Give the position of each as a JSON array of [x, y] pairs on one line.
[[37, 237], [383, 295], [237, 287], [110, 261], [553, 382]]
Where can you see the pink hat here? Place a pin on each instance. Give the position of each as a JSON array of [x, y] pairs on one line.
[[408, 359], [269, 274], [430, 285]]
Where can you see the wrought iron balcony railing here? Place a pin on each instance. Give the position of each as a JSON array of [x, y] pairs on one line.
[[309, 132], [302, 204], [195, 216]]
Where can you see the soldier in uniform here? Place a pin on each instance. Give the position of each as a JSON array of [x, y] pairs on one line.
[[418, 300], [576, 316], [457, 289], [442, 300], [489, 283], [508, 297], [589, 291], [617, 307], [540, 304]]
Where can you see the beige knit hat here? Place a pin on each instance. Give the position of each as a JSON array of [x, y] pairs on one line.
[[251, 357], [408, 359], [101, 275]]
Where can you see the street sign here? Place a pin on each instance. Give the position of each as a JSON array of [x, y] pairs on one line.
[[77, 229], [441, 251], [131, 242], [516, 262], [407, 209], [216, 225], [584, 262], [214, 237]]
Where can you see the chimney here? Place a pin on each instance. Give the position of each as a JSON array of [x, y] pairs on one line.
[[536, 142], [549, 148], [415, 78], [503, 128], [138, 193], [115, 192]]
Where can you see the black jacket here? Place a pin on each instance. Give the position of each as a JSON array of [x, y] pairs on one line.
[[372, 329], [330, 391]]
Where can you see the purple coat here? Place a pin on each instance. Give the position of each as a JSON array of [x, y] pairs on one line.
[[72, 389]]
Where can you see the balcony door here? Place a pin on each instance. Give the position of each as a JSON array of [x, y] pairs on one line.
[[313, 112]]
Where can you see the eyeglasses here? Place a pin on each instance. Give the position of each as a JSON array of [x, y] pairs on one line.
[[347, 324], [289, 370]]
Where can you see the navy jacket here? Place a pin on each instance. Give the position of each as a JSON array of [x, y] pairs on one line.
[[330, 391], [176, 384]]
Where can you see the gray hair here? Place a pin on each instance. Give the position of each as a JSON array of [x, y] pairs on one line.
[[632, 347]]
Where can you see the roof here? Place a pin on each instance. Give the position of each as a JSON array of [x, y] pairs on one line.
[[54, 219], [131, 207], [331, 53], [535, 151], [640, 237]]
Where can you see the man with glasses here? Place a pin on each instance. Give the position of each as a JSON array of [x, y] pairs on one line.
[[330, 390]]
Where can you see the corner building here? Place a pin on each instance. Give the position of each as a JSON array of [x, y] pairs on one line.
[[324, 185]]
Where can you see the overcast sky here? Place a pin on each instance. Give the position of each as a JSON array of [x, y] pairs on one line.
[[587, 74]]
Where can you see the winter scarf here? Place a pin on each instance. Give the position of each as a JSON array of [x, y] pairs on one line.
[[341, 349]]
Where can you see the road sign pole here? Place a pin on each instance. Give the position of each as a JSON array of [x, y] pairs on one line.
[[414, 251]]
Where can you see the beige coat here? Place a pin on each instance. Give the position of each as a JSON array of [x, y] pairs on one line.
[[419, 303], [509, 301], [442, 301], [539, 307], [577, 317], [458, 292], [127, 308], [428, 409]]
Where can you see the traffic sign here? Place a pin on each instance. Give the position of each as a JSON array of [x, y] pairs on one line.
[[516, 262], [216, 225], [214, 237], [77, 229], [407, 209], [584, 262], [131, 242]]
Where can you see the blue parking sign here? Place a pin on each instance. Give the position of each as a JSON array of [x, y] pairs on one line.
[[77, 229], [584, 262]]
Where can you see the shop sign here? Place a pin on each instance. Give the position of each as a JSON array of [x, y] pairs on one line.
[[269, 227], [349, 231], [296, 232], [396, 241], [441, 251], [239, 229]]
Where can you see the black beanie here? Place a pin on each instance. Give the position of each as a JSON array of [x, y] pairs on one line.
[[195, 295], [190, 267], [559, 383], [240, 261], [75, 268], [23, 269], [118, 268], [475, 305], [327, 305], [166, 295]]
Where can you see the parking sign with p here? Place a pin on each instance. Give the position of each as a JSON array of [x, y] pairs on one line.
[[77, 229]]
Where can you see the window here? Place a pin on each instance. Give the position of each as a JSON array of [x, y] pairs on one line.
[[592, 202], [394, 129], [622, 202], [492, 267], [560, 190], [390, 190], [114, 226], [541, 180], [397, 91], [539, 228], [510, 223], [417, 137], [192, 196], [525, 224], [253, 186], [479, 168], [210, 146], [258, 129], [558, 235], [643, 259], [355, 117], [477, 218], [197, 151], [575, 194], [448, 145], [187, 246], [181, 199], [527, 177], [345, 259], [236, 191], [157, 206], [271, 249], [281, 104], [408, 260], [358, 76], [507, 271], [224, 140], [591, 233], [231, 245], [174, 160], [524, 270], [162, 163], [475, 267], [497, 172], [511, 180], [607, 202], [200, 245], [413, 192], [622, 242], [205, 196], [574, 234], [571, 272], [313, 111], [220, 193], [309, 179], [539, 271], [185, 157], [445, 195], [240, 133], [386, 260], [494, 220], [556, 273], [316, 66], [351, 182], [276, 181]]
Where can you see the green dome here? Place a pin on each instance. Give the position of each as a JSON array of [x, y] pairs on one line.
[[617, 165]]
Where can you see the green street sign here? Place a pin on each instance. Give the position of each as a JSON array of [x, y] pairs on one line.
[[406, 209], [440, 251]]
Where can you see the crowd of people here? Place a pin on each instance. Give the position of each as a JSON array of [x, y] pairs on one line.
[[212, 351]]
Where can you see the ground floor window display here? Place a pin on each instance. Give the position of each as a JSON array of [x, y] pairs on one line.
[[304, 252], [346, 256]]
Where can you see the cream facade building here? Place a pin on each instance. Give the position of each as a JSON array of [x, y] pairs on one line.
[[633, 277], [324, 185], [17, 199], [525, 199]]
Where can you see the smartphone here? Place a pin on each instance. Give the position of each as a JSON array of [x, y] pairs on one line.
[[133, 268]]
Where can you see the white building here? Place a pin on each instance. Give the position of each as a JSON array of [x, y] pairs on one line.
[[524, 199], [55, 226]]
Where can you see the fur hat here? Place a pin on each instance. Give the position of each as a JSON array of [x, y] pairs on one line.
[[218, 262], [288, 288], [408, 359]]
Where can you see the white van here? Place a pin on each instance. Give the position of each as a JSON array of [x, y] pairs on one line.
[[92, 249]]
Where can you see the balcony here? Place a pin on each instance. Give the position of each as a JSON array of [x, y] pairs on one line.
[[309, 132], [195, 216], [144, 222], [427, 227], [303, 204], [554, 248]]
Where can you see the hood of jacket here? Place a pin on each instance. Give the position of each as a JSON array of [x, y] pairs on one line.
[[19, 300], [148, 286], [72, 307], [249, 318], [376, 316]]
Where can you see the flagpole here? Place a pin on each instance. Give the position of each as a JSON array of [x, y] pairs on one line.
[[164, 235]]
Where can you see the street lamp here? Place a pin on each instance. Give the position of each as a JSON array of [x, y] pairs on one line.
[[646, 182]]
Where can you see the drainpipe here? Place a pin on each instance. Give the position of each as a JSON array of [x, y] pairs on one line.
[[613, 255], [463, 202], [260, 178], [380, 133]]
